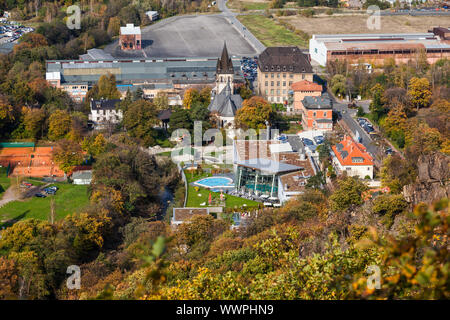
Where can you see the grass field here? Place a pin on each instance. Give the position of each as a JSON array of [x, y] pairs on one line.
[[5, 182], [68, 199], [270, 33], [358, 24], [194, 200]]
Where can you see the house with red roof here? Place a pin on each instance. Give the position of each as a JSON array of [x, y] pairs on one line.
[[352, 157]]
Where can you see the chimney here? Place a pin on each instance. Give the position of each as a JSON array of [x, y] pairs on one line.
[[268, 131]]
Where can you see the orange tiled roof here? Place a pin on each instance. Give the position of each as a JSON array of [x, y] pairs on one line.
[[351, 153], [305, 85]]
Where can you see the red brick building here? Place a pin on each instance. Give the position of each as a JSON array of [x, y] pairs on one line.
[[130, 37]]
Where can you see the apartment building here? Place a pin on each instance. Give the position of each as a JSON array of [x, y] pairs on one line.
[[278, 69]]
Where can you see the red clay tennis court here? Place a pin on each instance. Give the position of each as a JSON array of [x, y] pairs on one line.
[[29, 161]]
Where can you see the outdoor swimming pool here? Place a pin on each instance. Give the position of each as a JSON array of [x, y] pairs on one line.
[[215, 182]]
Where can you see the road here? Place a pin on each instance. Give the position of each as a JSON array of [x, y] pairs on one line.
[[231, 17], [347, 116]]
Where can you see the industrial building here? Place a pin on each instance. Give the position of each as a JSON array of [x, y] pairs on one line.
[[375, 48], [171, 75]]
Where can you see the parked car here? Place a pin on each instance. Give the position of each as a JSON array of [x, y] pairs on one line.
[[40, 195], [307, 142], [319, 139], [389, 151]]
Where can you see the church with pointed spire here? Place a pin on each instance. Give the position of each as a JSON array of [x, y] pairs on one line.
[[224, 71], [224, 102]]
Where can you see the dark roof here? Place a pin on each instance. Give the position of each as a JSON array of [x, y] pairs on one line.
[[288, 59], [104, 104], [164, 114], [224, 63], [322, 102], [225, 103], [296, 143]]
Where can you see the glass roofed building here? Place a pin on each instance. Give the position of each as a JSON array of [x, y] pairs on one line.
[[276, 168]]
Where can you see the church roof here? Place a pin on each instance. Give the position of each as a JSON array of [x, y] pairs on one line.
[[224, 63], [225, 103]]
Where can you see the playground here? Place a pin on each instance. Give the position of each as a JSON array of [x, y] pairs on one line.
[[25, 159]]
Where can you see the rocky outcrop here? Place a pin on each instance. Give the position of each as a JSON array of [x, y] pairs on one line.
[[432, 181]]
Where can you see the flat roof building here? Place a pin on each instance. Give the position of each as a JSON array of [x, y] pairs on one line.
[[375, 48]]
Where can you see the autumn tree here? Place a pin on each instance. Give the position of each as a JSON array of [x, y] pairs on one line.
[[139, 120], [190, 96], [67, 154], [396, 172], [33, 121], [9, 279], [105, 88], [59, 124], [254, 114], [420, 92], [94, 145]]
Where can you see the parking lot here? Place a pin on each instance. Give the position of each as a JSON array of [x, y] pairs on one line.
[[249, 68], [10, 33], [188, 36]]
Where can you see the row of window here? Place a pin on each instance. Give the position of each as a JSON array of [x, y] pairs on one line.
[[278, 75], [279, 83], [278, 91]]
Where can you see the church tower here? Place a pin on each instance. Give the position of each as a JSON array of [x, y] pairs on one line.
[[224, 71]]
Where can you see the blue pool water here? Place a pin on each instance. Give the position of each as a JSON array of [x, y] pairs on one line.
[[214, 182]]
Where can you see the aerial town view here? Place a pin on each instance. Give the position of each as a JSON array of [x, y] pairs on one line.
[[265, 150]]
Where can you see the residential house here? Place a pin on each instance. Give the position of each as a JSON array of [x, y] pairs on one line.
[[104, 112], [317, 113], [352, 157]]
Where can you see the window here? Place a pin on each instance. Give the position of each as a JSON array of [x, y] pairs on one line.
[[290, 82], [303, 76], [314, 114], [325, 114], [272, 75], [271, 91], [267, 91], [267, 75], [278, 83], [278, 75], [291, 76], [272, 83], [266, 83], [278, 91], [284, 83]]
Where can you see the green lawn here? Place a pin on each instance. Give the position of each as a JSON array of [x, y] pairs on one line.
[[194, 200], [68, 199], [270, 33], [255, 5], [5, 182]]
